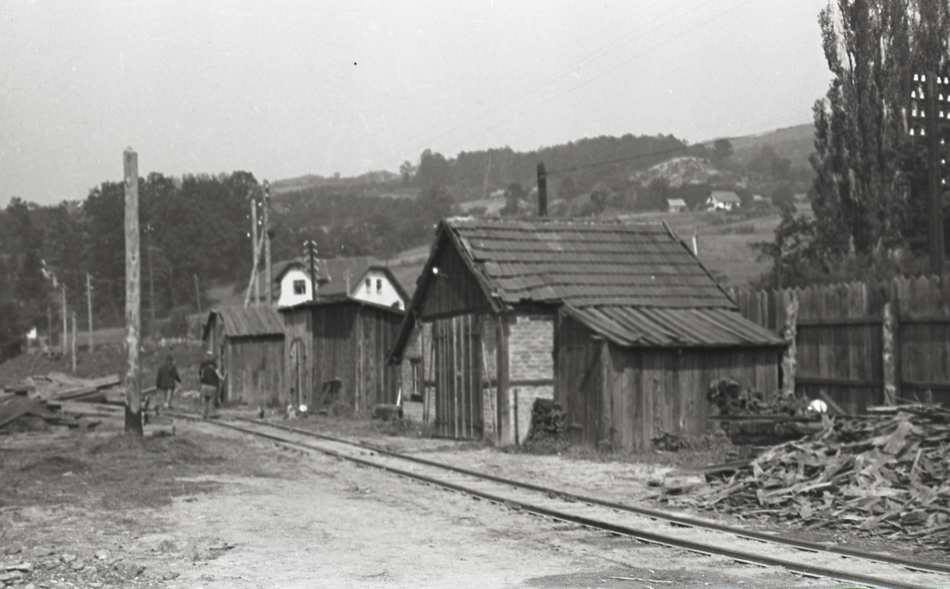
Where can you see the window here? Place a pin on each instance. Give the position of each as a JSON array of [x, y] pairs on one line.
[[379, 285], [300, 287], [368, 283]]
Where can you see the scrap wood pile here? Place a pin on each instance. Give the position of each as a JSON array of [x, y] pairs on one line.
[[752, 417], [36, 403], [886, 474]]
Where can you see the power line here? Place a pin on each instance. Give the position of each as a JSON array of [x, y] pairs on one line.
[[675, 17]]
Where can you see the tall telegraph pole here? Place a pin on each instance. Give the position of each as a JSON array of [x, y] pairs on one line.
[[133, 408], [268, 277], [89, 309], [930, 111]]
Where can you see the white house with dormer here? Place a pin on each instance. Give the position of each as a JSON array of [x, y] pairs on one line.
[[723, 200], [363, 278]]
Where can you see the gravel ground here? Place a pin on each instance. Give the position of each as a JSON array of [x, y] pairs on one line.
[[209, 509]]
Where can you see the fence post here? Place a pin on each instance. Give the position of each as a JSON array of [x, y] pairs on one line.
[[890, 347], [789, 332]]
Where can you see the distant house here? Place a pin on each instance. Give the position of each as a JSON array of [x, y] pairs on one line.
[[294, 284], [360, 278], [758, 198], [619, 322], [723, 200], [801, 197], [248, 344], [676, 205]]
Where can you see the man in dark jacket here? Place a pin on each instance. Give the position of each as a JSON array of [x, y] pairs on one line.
[[210, 379], [167, 380]]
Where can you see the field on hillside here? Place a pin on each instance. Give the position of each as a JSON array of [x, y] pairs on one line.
[[724, 239]]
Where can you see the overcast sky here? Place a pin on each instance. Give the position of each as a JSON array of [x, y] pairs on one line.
[[288, 88]]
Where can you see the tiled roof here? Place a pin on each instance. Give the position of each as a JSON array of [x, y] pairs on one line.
[[407, 275], [634, 283], [725, 196], [586, 263], [252, 321]]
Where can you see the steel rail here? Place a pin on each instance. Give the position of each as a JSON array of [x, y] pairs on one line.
[[916, 565], [640, 534]]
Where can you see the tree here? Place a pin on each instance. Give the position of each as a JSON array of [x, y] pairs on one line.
[[515, 197], [783, 197], [722, 151], [654, 196], [434, 170], [567, 189], [407, 171], [863, 185], [795, 261]]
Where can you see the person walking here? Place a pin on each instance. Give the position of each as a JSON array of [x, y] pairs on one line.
[[166, 381], [210, 379]]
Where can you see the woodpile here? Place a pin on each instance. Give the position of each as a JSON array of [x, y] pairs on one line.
[[36, 403], [887, 474]]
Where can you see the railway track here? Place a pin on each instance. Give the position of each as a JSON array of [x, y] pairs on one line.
[[647, 525]]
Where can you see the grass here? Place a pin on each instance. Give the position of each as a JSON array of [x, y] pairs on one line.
[[87, 469]]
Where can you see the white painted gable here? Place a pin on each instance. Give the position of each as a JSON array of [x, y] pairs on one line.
[[375, 287], [295, 288]]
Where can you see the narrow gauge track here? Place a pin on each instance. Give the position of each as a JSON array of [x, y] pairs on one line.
[[708, 538]]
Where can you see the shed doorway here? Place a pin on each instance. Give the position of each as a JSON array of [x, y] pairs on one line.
[[457, 346]]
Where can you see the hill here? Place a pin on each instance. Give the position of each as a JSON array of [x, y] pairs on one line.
[[795, 143], [679, 171]]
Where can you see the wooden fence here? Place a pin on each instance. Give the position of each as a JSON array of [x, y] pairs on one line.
[[862, 343]]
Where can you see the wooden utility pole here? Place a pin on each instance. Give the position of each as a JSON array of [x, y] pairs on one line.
[[268, 277], [64, 339], [256, 254], [133, 401], [542, 190], [72, 347], [197, 293], [89, 309], [932, 124], [49, 327]]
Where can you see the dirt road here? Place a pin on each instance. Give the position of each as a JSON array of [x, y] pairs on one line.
[[231, 512]]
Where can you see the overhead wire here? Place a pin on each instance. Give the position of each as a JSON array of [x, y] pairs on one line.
[[590, 56]]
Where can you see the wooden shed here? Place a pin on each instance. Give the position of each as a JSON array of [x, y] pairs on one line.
[[248, 343], [619, 322], [343, 341]]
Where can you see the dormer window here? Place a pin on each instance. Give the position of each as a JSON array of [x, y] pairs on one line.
[[379, 285], [369, 284], [300, 287]]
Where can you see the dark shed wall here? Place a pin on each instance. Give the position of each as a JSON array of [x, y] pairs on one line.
[[454, 290], [626, 397], [255, 370], [350, 342]]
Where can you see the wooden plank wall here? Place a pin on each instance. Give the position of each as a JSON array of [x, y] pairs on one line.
[[578, 381], [839, 337], [350, 343], [643, 393], [453, 290], [458, 371], [257, 371]]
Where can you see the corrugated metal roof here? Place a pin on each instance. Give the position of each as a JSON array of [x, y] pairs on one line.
[[255, 320], [681, 328]]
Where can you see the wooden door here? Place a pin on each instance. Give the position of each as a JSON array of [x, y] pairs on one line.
[[458, 377]]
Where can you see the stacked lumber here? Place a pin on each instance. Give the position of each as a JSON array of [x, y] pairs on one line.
[[887, 473]]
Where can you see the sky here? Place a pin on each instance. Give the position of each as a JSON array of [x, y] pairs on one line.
[[283, 88]]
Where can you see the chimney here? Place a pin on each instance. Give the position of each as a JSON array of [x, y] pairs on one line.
[[542, 191]]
